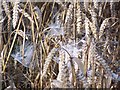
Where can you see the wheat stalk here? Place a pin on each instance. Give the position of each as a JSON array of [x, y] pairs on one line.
[[87, 44]]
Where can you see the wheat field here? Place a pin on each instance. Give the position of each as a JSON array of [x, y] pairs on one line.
[[59, 44]]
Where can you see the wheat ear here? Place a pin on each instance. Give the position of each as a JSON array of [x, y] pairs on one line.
[[82, 78], [100, 59], [63, 75], [6, 8], [48, 60], [106, 24], [79, 18], [15, 14]]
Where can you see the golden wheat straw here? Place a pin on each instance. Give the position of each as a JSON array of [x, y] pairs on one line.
[[86, 45]]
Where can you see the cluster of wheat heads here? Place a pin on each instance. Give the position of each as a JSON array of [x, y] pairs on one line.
[[60, 44]]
